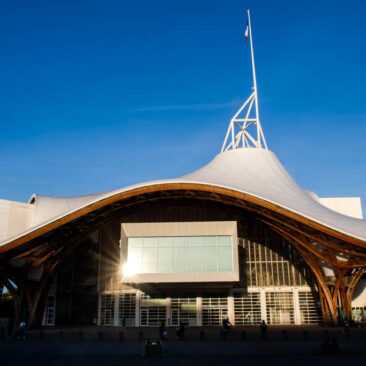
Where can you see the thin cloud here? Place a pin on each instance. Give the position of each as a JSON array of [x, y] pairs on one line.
[[188, 107]]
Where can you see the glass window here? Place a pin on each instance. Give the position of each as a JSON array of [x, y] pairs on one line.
[[179, 259], [224, 240], [194, 260], [225, 262], [180, 254], [164, 260], [149, 260], [209, 240], [209, 259], [165, 241], [135, 259], [194, 240], [150, 242], [135, 242], [179, 241]]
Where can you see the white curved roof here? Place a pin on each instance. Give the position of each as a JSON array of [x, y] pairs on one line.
[[253, 171]]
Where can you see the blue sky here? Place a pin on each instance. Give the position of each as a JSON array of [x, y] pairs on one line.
[[96, 95]]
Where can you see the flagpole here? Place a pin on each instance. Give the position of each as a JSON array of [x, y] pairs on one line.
[[254, 82]]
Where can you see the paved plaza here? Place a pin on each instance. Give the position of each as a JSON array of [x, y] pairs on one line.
[[126, 346]]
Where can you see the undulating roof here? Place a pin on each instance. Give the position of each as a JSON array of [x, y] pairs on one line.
[[252, 171]]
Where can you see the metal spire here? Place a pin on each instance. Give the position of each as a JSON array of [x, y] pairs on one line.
[[238, 135]]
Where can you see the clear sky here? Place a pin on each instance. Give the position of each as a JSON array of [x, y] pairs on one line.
[[97, 95]]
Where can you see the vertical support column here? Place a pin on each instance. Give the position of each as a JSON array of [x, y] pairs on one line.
[[297, 312], [199, 311], [99, 308], [116, 301], [137, 309], [230, 308], [168, 320], [263, 304]]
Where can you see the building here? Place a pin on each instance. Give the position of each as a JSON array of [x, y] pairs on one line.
[[238, 238]]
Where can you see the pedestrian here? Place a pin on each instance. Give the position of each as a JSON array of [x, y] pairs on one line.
[[226, 325], [162, 331], [263, 328], [124, 322], [347, 329], [21, 330], [181, 330]]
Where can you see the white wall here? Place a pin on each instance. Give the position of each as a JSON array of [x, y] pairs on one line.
[[15, 217], [359, 297], [350, 206]]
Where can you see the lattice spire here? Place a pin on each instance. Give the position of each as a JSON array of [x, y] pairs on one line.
[[245, 129]]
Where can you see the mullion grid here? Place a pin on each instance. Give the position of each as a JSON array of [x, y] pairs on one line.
[[268, 268], [246, 304], [127, 309], [214, 310], [107, 307], [310, 312], [280, 308], [186, 246], [178, 314]]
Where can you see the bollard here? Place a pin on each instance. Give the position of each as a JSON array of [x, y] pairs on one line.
[[305, 335], [284, 335], [121, 336], [140, 336], [202, 335], [243, 334], [81, 336], [100, 335], [41, 335], [61, 335]]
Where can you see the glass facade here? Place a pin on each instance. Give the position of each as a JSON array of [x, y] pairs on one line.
[[214, 310], [273, 266], [180, 254], [152, 311], [127, 309], [247, 308], [184, 309], [107, 309]]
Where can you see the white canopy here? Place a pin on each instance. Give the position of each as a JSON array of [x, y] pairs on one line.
[[253, 171]]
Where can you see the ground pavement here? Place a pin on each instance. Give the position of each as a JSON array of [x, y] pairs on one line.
[[126, 346]]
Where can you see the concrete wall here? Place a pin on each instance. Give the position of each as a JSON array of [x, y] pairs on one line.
[[15, 217]]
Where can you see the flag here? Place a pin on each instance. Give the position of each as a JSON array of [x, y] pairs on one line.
[[246, 32]]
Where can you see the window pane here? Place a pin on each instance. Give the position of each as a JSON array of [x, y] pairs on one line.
[[194, 259], [209, 259], [165, 241], [135, 242], [209, 240], [194, 240], [225, 259], [135, 259], [149, 260], [224, 240], [179, 260], [179, 241], [164, 260], [150, 242]]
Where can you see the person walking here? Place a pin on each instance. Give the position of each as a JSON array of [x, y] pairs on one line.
[[263, 328], [162, 331], [181, 330]]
